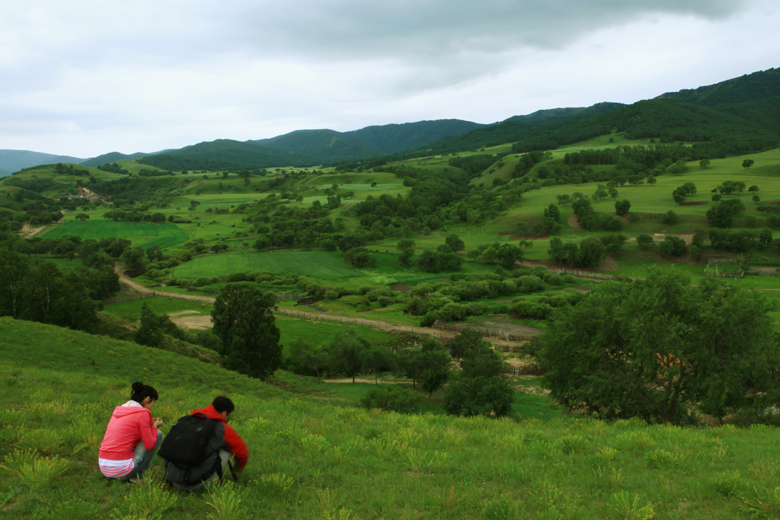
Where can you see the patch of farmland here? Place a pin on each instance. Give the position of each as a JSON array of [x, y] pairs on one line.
[[229, 199], [163, 235], [316, 264], [378, 187]]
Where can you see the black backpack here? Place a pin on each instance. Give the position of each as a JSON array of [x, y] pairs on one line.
[[191, 449]]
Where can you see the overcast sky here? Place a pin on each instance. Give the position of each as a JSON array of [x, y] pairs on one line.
[[87, 77]]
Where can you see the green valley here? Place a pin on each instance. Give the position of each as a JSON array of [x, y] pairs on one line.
[[571, 314]]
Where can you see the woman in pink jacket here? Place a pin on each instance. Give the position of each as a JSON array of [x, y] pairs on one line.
[[132, 436]]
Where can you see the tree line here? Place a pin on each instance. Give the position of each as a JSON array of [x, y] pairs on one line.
[[37, 290]]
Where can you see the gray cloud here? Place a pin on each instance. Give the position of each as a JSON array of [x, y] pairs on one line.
[[86, 76], [435, 29]]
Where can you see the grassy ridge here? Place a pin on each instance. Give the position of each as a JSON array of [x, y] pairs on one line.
[[315, 459]]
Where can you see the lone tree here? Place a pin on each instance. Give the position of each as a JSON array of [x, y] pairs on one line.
[[455, 243], [152, 328], [345, 354], [723, 213], [406, 251], [430, 366], [622, 207], [480, 389], [747, 163], [658, 347], [307, 359], [249, 339]]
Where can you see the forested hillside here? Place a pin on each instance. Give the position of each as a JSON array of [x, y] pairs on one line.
[[308, 147]]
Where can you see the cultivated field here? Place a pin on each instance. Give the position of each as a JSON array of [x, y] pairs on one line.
[[144, 234], [316, 264]]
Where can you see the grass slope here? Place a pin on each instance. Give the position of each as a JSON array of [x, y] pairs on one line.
[[314, 459]]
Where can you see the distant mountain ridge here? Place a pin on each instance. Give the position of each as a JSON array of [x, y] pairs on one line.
[[742, 113], [560, 114], [309, 147], [112, 157], [744, 109], [14, 160], [744, 89]]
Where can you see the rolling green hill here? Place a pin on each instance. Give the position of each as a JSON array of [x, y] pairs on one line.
[[321, 146], [314, 456], [111, 158], [225, 154], [390, 139]]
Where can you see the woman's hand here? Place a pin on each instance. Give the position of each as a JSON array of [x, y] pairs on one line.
[[156, 422]]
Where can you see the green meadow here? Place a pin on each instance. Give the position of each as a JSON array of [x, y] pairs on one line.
[[316, 264], [315, 455], [144, 234], [61, 185]]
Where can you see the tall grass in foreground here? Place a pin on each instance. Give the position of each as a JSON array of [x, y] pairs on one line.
[[310, 459]]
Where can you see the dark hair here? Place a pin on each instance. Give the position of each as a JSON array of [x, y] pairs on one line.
[[223, 404], [142, 391]]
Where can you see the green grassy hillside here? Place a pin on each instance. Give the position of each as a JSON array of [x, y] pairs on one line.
[[315, 458], [47, 180]]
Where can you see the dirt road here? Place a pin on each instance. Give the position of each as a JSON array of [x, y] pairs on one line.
[[204, 322]]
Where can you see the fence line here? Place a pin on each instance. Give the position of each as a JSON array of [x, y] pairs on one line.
[[522, 370], [505, 335], [285, 296], [717, 273], [129, 297], [583, 274], [360, 321]]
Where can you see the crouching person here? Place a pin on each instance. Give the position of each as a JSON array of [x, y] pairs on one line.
[[199, 447], [132, 436]]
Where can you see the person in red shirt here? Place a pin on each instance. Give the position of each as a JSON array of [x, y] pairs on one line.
[[132, 436], [233, 446], [220, 410]]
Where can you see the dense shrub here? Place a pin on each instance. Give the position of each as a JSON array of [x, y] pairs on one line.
[[529, 309], [392, 398], [529, 284], [487, 396], [672, 246], [644, 241]]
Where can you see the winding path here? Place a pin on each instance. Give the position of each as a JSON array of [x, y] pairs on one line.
[[384, 325]]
